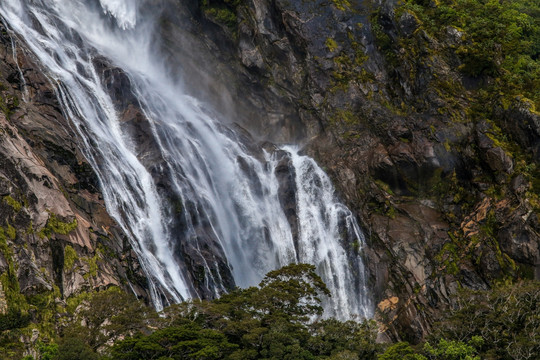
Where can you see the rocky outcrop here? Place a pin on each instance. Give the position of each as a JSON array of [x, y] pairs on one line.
[[56, 238], [382, 105]]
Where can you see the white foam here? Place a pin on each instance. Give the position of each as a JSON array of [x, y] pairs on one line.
[[230, 198]]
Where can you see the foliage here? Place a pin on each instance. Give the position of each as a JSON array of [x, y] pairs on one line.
[[14, 319], [500, 38], [48, 351], [222, 12], [444, 350], [72, 348], [70, 256], [507, 319], [400, 351], [280, 319], [454, 350], [331, 337], [107, 315], [188, 341], [13, 203], [56, 226], [8, 103], [273, 321]]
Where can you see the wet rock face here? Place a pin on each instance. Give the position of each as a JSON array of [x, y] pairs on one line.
[[285, 175], [54, 228], [444, 205]]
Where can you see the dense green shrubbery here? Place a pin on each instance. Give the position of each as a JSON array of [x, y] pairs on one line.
[[72, 348], [13, 320], [272, 321], [269, 323], [501, 38], [503, 323], [507, 319], [278, 320]]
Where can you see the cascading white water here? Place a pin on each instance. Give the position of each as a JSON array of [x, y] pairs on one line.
[[230, 218]]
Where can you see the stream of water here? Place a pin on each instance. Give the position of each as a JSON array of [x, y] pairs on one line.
[[189, 192]]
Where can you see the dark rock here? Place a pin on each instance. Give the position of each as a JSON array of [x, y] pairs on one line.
[[285, 175], [522, 243], [408, 23], [519, 184], [31, 281], [499, 160], [3, 263], [524, 125], [6, 187]]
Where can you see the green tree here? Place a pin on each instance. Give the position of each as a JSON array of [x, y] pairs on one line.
[[48, 351], [401, 351], [107, 315], [454, 350], [73, 348], [189, 341], [506, 318], [331, 337], [273, 321]]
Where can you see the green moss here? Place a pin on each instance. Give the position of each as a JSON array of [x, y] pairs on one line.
[[342, 5], [495, 191], [383, 41], [70, 256], [13, 203], [500, 39], [56, 226], [8, 104], [391, 212], [348, 63], [11, 232], [343, 116], [30, 229], [45, 311], [447, 145], [92, 262], [75, 300], [222, 15], [222, 12], [331, 44], [384, 186], [15, 300]]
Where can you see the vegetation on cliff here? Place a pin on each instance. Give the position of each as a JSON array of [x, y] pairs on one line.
[[279, 319], [495, 38]]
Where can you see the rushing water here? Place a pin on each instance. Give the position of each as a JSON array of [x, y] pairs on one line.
[[192, 195]]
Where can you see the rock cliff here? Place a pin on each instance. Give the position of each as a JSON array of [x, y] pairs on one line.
[[446, 194], [56, 238], [440, 175]]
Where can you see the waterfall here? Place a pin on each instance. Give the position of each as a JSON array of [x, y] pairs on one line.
[[199, 201]]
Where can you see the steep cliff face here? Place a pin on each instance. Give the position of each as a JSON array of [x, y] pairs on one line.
[[56, 238], [440, 172], [445, 191]]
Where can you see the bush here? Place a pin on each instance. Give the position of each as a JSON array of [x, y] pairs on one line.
[[13, 320], [75, 349], [272, 321], [507, 319]]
